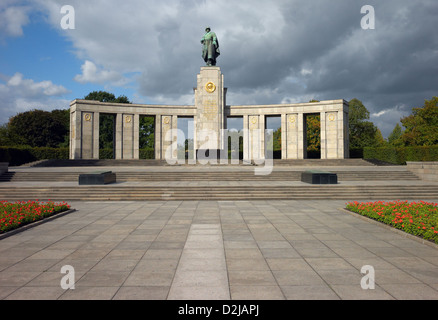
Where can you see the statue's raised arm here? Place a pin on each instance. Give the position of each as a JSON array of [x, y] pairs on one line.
[[210, 47]]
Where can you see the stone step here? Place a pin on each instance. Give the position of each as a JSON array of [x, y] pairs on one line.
[[322, 162], [98, 163], [209, 176], [220, 193], [153, 162]]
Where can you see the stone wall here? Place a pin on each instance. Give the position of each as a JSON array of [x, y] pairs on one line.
[[426, 170]]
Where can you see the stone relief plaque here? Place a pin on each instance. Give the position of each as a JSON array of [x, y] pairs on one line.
[[253, 122], [210, 109]]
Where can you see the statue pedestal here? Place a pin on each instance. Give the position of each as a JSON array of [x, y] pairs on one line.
[[209, 103]]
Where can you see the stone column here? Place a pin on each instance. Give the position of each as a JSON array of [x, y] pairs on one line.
[[75, 134], [128, 136], [168, 147], [136, 141], [119, 136], [262, 127], [343, 143], [96, 122], [89, 135], [323, 135], [301, 136], [291, 136], [246, 142], [255, 139], [158, 138], [346, 128], [329, 144], [283, 136]]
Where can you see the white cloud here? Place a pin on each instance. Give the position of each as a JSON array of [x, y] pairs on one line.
[[378, 114], [386, 119], [91, 74], [30, 88], [13, 19], [306, 72], [20, 94], [272, 52]]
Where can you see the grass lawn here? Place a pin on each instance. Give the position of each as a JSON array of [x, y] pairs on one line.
[[416, 218], [20, 213]]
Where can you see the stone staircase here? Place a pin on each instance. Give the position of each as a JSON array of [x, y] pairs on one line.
[[144, 193], [152, 162], [216, 175], [176, 183]]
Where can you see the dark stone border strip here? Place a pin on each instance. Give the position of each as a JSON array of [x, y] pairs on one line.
[[36, 223], [388, 227]]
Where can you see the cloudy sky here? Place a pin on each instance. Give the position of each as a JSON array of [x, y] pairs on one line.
[[277, 51]]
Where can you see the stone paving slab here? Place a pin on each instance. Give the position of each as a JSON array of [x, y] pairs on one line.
[[244, 250]]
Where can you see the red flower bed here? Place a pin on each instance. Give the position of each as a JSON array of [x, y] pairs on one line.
[[14, 215], [417, 218]]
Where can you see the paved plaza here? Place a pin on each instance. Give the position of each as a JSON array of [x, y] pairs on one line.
[[178, 250]]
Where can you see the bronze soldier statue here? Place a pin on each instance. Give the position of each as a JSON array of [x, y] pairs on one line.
[[210, 47]]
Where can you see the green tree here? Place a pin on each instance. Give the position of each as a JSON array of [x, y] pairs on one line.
[[38, 128], [147, 132], [63, 116], [7, 138], [313, 130], [379, 141], [276, 135], [395, 137], [313, 133], [362, 132], [421, 126], [106, 131], [104, 96]]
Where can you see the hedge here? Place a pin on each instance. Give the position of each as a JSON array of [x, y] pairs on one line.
[[146, 153], [401, 155], [20, 155], [17, 156], [356, 153]]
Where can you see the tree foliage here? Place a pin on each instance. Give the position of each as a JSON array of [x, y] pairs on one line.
[[147, 132], [395, 137], [7, 138], [106, 131], [421, 126], [104, 96], [38, 128], [362, 132], [313, 128], [379, 141]]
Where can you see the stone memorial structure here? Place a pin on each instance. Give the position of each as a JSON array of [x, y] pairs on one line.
[[209, 117]]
